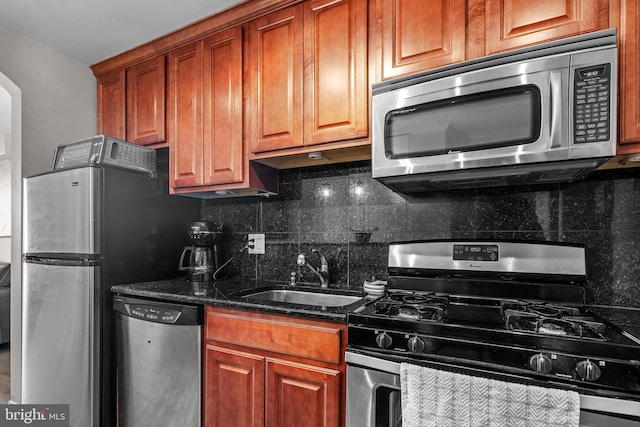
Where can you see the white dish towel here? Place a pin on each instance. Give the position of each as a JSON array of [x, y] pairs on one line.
[[435, 398]]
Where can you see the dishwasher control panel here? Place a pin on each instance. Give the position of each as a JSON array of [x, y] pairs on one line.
[[156, 314], [158, 311]]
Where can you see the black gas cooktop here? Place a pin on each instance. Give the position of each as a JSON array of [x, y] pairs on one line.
[[514, 307]]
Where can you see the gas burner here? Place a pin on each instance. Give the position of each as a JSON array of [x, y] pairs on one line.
[[418, 312], [583, 327], [541, 308], [414, 306]]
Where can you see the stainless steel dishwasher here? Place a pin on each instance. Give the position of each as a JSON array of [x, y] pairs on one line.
[[158, 346]]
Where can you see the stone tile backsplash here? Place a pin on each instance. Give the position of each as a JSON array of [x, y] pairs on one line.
[[349, 217]]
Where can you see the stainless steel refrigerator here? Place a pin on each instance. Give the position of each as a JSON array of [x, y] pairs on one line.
[[84, 230]]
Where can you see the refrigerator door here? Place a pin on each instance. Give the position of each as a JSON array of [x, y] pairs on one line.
[[60, 339], [62, 213]]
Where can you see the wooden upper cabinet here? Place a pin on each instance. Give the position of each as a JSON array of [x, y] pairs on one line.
[[224, 151], [629, 77], [275, 48], [516, 23], [184, 115], [111, 104], [335, 75], [205, 118], [146, 102], [413, 36], [308, 74]]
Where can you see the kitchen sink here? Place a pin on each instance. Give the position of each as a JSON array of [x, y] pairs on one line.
[[304, 297]]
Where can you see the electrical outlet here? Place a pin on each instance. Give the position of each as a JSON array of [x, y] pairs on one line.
[[258, 244]]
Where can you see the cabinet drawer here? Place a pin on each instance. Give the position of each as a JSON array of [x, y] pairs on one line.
[[313, 340]]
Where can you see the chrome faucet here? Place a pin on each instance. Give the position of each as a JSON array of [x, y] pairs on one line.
[[322, 272]]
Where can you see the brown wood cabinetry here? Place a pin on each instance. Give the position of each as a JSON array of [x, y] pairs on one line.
[[629, 77], [301, 395], [458, 29], [131, 103], [185, 117], [515, 23], [276, 369], [275, 50], [308, 75], [304, 69], [146, 102], [413, 36], [112, 104], [205, 118], [233, 388]]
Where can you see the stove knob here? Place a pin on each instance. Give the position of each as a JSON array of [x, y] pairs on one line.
[[588, 371], [415, 344], [384, 340], [541, 363]]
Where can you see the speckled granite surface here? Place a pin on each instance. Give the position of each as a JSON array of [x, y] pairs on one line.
[[224, 294], [329, 207], [228, 294]]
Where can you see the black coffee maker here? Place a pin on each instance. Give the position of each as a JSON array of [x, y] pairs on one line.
[[202, 253]]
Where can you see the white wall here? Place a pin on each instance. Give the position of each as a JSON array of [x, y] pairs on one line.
[[57, 105], [5, 210], [58, 98]]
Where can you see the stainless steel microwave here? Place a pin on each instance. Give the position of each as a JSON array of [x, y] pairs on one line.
[[546, 113]]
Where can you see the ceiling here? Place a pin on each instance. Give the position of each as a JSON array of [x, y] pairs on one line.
[[93, 30]]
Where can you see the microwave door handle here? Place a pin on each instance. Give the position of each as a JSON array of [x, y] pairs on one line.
[[555, 93]]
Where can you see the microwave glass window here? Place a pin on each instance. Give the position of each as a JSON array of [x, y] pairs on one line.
[[467, 123]]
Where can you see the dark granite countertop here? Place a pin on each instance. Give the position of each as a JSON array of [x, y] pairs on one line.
[[628, 319], [224, 294]]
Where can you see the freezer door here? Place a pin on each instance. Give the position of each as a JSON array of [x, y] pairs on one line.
[[60, 339], [62, 212]]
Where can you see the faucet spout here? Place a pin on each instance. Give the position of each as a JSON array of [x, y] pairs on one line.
[[322, 272]]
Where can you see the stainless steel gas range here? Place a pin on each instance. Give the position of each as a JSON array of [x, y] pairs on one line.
[[507, 310]]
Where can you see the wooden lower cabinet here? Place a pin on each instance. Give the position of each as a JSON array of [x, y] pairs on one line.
[[280, 371], [234, 388], [301, 395]]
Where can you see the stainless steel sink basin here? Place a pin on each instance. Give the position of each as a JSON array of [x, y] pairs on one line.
[[304, 297]]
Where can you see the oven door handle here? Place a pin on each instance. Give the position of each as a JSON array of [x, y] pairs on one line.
[[383, 365]]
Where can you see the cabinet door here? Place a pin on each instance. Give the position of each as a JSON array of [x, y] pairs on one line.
[[275, 46], [414, 35], [302, 395], [145, 102], [335, 75], [629, 77], [516, 23], [111, 104], [223, 137], [184, 120], [233, 388]]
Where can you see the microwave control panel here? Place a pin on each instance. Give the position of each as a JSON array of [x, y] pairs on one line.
[[592, 104]]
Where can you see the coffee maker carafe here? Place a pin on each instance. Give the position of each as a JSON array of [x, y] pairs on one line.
[[202, 254]]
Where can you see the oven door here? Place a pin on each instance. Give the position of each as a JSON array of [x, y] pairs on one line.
[[374, 398], [373, 393]]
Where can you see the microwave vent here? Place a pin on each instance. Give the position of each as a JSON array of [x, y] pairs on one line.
[[565, 171]]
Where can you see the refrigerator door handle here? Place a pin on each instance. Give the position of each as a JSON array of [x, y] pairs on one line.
[[77, 260]]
